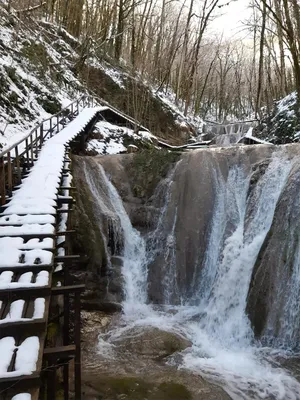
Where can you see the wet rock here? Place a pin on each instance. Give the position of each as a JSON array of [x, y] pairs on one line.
[[97, 305], [152, 342]]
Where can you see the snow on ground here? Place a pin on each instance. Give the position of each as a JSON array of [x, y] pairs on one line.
[[168, 98], [36, 75], [113, 139], [249, 135], [113, 73], [29, 94], [37, 78]]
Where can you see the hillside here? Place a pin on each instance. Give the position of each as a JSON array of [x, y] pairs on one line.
[[39, 75], [283, 125]]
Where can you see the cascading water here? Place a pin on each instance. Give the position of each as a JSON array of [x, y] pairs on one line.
[[212, 311], [225, 312], [134, 268]]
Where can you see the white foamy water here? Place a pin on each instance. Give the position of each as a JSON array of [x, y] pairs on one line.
[[134, 269], [224, 349]]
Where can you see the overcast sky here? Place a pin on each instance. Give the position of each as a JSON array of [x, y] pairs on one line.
[[232, 15]]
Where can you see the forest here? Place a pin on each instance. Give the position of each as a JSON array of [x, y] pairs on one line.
[[170, 44]]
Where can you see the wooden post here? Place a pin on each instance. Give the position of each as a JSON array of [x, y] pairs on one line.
[[51, 382], [9, 174], [77, 360], [66, 342], [51, 127], [41, 136], [27, 153], [36, 144], [2, 181], [18, 164], [31, 149], [57, 126]]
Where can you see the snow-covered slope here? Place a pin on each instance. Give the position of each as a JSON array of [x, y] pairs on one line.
[[39, 76], [283, 126], [33, 83], [108, 138]]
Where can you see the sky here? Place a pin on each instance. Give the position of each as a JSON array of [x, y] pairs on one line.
[[229, 22]]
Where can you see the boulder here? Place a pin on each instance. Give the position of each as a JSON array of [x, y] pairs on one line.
[[151, 342]]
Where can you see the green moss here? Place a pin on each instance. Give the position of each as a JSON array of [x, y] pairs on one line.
[[11, 72], [172, 345], [3, 84], [36, 54], [148, 168], [52, 332], [172, 391], [132, 388], [49, 104], [13, 98], [135, 389]]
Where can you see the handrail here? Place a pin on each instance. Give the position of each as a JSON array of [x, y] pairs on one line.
[[14, 161], [77, 101]]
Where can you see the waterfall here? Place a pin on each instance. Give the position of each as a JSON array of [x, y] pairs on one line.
[[219, 207], [225, 312], [134, 269]]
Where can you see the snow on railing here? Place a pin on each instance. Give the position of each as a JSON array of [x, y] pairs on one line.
[[20, 156]]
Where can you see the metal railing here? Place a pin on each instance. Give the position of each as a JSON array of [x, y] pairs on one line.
[[20, 156]]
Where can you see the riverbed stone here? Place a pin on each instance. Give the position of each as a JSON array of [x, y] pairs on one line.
[[151, 342]]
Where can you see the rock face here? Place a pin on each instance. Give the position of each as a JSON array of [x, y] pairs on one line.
[[88, 241], [98, 237], [179, 245]]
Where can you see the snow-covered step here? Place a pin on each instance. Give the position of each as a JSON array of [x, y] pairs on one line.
[[27, 229], [13, 257], [9, 280], [32, 208], [22, 396], [27, 354], [21, 244], [27, 240], [15, 219], [16, 311]]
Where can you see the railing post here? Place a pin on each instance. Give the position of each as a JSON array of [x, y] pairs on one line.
[[31, 149], [77, 106], [27, 153], [57, 124], [41, 136], [51, 127], [9, 174], [36, 144], [78, 347], [18, 164], [2, 181]]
